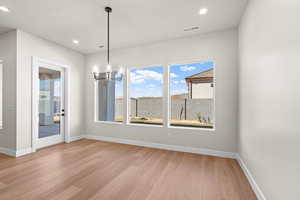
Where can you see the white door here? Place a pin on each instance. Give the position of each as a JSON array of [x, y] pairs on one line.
[[51, 110]]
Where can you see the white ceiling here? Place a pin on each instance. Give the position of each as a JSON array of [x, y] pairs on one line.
[[133, 22]]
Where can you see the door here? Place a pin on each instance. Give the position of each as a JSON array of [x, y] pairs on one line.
[[51, 109]]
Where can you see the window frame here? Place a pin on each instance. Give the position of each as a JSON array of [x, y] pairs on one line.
[[166, 115], [96, 108], [164, 123], [169, 96]]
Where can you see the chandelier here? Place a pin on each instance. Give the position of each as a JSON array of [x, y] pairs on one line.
[[109, 74]]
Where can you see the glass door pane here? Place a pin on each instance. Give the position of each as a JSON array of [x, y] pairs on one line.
[[49, 102]]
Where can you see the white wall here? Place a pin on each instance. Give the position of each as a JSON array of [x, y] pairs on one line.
[[1, 91], [269, 95], [220, 47], [8, 52], [28, 46], [202, 91]]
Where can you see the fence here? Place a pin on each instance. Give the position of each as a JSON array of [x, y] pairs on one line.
[[181, 109]]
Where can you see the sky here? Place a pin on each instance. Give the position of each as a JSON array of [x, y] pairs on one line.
[[178, 73], [148, 82]]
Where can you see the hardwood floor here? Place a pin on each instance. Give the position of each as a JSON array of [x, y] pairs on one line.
[[94, 170]]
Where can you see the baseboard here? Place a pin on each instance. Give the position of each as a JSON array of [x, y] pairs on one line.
[[14, 153], [255, 187], [8, 152], [23, 152], [75, 138], [165, 146]]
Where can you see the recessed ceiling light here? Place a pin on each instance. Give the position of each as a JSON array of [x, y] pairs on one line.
[[203, 11], [4, 9], [75, 41]]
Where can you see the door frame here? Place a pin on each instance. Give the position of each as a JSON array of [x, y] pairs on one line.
[[36, 63]]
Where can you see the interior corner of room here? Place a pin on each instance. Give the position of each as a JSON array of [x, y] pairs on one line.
[[200, 93]]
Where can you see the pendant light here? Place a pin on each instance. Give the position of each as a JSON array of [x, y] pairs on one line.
[[109, 74]]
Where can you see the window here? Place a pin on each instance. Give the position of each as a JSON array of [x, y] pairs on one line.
[[119, 102], [190, 104], [146, 95], [110, 100], [192, 95]]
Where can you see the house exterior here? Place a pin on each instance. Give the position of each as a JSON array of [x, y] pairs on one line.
[[201, 85]]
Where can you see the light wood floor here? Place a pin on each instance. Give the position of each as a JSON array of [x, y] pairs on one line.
[[93, 170]]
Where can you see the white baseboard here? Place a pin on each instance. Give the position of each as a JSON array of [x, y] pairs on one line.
[[14, 153], [8, 152], [255, 187], [165, 146], [23, 152], [75, 138]]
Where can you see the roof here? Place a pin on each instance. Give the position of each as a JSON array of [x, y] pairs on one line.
[[202, 77]]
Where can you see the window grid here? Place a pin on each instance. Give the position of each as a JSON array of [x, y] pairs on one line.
[[166, 115]]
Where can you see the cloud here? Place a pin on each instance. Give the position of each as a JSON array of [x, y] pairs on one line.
[[139, 76], [187, 68], [151, 86], [135, 78], [173, 75], [178, 82]]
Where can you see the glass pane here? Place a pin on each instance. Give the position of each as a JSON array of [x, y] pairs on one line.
[[146, 96], [110, 99], [119, 101], [49, 102], [192, 95]]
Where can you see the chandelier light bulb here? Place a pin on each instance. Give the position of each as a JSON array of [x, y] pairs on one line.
[[108, 68], [96, 69]]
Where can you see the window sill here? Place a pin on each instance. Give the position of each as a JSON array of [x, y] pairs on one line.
[[106, 122], [193, 128], [157, 126], [145, 125]]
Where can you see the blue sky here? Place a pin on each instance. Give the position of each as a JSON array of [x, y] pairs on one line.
[[148, 82], [178, 74]]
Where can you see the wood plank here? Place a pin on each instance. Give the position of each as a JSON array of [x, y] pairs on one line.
[[92, 170]]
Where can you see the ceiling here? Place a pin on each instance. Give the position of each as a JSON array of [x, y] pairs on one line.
[[133, 22]]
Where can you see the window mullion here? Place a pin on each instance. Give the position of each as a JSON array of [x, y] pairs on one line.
[[126, 96], [166, 109]]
